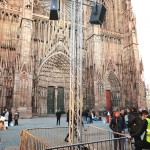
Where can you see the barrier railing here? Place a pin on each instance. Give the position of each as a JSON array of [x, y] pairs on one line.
[[46, 137], [113, 144], [93, 138], [30, 142]]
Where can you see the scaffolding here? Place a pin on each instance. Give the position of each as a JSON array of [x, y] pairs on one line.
[[76, 98]]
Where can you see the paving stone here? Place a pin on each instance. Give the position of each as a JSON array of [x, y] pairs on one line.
[[10, 138]]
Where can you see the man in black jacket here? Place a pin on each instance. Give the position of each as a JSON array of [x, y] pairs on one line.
[[58, 115], [145, 143], [134, 124], [117, 124]]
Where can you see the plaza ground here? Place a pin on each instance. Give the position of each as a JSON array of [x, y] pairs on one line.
[[10, 138]]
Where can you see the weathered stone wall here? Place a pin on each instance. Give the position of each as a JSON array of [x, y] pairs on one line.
[[35, 55]]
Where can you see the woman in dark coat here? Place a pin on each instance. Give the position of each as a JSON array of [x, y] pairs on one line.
[[10, 118]]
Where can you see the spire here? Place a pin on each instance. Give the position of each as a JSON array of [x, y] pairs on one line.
[[141, 66]]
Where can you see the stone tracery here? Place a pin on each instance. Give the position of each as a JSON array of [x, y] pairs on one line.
[[36, 50]]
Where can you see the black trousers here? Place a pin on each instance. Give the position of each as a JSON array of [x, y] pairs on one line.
[[16, 122], [142, 145], [9, 121], [119, 143], [136, 139], [58, 121]]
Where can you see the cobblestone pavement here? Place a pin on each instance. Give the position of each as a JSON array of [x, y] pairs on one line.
[[10, 138]]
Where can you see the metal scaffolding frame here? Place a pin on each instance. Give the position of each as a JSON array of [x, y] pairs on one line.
[[76, 98], [76, 39]]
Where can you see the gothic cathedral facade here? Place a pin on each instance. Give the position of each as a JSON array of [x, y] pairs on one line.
[[35, 57]]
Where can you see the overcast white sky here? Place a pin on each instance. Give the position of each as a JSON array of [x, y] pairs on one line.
[[141, 9]]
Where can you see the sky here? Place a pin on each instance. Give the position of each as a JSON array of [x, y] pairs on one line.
[[141, 9]]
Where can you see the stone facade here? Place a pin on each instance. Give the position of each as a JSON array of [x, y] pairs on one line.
[[35, 57], [148, 96]]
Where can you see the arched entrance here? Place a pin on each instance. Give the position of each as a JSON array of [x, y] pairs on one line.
[[53, 83], [113, 96]]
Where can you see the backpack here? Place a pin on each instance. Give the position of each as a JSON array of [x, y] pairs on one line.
[[135, 122]]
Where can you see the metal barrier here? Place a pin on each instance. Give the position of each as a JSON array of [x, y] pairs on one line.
[[93, 133], [93, 138], [113, 144], [45, 137], [30, 142]]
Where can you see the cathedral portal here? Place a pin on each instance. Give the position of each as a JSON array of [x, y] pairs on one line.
[[35, 57], [53, 82]]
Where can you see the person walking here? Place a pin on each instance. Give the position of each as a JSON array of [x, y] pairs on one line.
[[108, 117], [145, 128], [58, 116], [10, 118], [16, 117], [7, 118]]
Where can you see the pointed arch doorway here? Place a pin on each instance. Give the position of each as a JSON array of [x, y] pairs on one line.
[[113, 96], [53, 83]]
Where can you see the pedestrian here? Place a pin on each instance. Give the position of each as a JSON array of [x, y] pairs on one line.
[[67, 119], [3, 113], [127, 117], [122, 114], [2, 126], [108, 117], [145, 128], [9, 118], [16, 117], [6, 118], [100, 115], [134, 124], [58, 116], [89, 118], [117, 125], [67, 136], [86, 114]]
